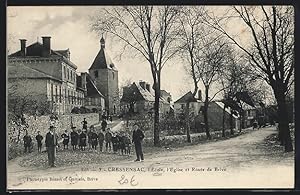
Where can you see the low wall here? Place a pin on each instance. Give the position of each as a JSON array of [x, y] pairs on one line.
[[42, 123], [176, 140]]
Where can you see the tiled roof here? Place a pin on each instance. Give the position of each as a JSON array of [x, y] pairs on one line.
[[23, 71], [64, 53], [102, 61], [92, 90], [145, 93], [227, 109], [37, 49], [140, 94], [187, 97]]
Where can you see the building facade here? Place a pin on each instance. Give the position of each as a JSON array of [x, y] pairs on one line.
[[49, 73]]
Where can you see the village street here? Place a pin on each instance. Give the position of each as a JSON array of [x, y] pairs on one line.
[[239, 162]]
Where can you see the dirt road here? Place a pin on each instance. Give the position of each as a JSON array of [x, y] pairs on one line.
[[233, 163]]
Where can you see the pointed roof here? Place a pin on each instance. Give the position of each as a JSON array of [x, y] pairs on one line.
[[188, 97], [102, 60], [137, 92]]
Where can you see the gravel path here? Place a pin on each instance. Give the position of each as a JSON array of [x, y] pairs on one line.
[[239, 162]]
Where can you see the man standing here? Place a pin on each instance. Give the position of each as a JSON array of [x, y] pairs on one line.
[[27, 142], [51, 144], [82, 140], [39, 139], [101, 140], [103, 125], [94, 139], [84, 125], [137, 138], [74, 138], [108, 137]]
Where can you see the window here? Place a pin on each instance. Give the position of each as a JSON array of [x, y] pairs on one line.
[[72, 97], [64, 72], [96, 73], [182, 106], [114, 109], [56, 99], [69, 100], [66, 95], [51, 86], [68, 74], [113, 75], [60, 94]]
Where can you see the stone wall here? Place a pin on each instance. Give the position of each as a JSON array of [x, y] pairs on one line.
[[42, 123]]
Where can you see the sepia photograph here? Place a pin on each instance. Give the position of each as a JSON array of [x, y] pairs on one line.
[[150, 97]]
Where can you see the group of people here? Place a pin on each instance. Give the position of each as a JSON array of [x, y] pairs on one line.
[[116, 142]]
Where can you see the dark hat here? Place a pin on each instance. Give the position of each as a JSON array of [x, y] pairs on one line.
[[51, 127], [73, 127]]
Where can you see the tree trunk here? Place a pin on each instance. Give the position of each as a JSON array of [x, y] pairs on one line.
[[242, 125], [187, 119], [156, 114], [231, 124], [205, 114], [284, 123], [223, 123]]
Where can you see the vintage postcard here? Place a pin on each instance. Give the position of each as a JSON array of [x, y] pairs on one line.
[[150, 97]]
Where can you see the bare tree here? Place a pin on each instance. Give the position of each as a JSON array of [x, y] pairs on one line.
[[205, 51], [271, 50], [191, 29], [148, 30]]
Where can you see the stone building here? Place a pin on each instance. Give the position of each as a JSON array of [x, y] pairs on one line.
[[194, 106], [105, 76], [48, 76], [139, 98], [215, 112]]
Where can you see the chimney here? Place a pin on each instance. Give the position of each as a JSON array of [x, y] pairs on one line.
[[199, 95], [143, 84], [148, 86], [47, 45], [68, 54], [83, 82], [23, 47]]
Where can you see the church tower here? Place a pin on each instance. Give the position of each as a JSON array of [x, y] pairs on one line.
[[105, 75]]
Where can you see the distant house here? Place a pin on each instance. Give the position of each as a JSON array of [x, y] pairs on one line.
[[194, 104], [139, 98], [250, 114], [215, 116], [215, 112]]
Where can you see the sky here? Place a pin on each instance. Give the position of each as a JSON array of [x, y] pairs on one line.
[[68, 27]]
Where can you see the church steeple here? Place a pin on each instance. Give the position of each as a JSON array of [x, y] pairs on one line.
[[102, 42], [102, 60]]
